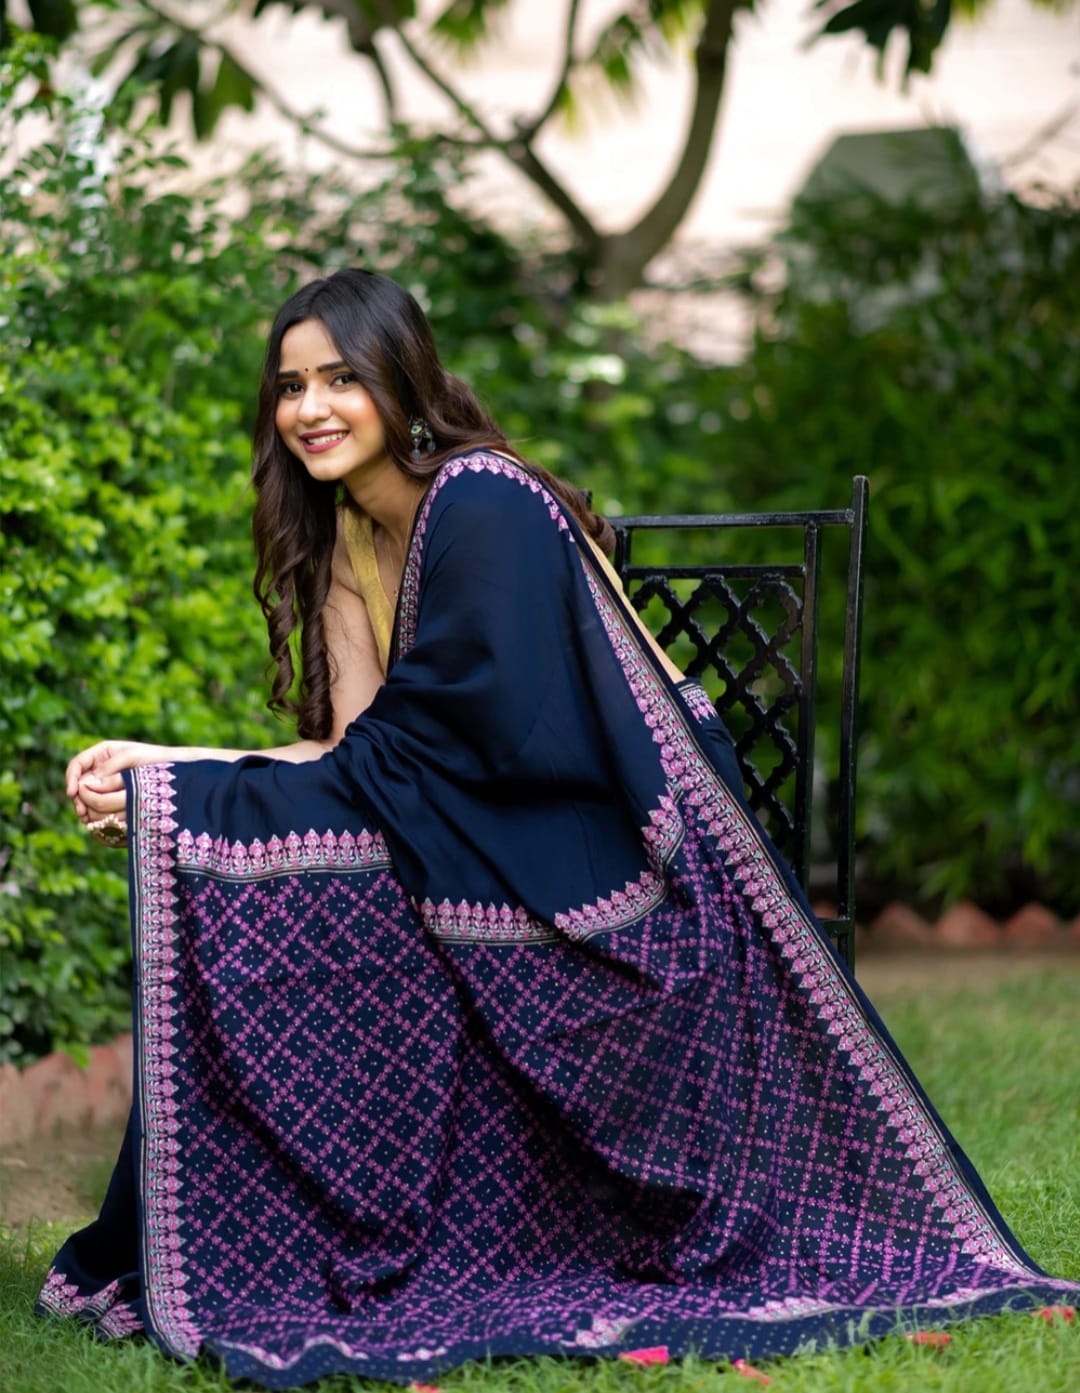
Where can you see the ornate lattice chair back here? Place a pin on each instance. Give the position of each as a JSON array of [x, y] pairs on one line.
[[748, 626]]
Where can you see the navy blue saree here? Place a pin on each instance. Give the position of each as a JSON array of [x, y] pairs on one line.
[[502, 1029]]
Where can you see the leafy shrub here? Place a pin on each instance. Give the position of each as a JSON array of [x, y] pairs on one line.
[[129, 343], [941, 356]]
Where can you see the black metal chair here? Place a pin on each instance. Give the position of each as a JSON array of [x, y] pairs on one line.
[[749, 630]]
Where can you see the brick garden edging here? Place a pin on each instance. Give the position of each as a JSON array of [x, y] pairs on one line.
[[56, 1093], [965, 927]]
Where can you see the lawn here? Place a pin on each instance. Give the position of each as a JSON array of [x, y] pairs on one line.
[[1000, 1061]]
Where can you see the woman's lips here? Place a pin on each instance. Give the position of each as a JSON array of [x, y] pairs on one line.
[[316, 444]]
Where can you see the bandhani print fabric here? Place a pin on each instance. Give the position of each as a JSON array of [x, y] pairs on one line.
[[503, 1030]]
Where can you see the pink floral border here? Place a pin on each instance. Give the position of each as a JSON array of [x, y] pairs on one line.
[[801, 944], [152, 818], [313, 852]]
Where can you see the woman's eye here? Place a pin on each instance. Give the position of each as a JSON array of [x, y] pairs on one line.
[[288, 389], [344, 379]]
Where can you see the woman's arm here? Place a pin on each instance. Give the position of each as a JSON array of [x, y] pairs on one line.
[[93, 780]]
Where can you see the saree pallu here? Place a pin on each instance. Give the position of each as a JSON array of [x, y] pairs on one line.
[[502, 1029]]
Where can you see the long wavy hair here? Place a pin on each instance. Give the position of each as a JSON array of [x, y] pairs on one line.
[[381, 333]]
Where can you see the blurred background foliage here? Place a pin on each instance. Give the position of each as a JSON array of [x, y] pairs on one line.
[[937, 353]]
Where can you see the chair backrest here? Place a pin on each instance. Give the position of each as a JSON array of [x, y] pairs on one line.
[[749, 630]]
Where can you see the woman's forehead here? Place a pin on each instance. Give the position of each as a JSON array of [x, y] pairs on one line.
[[307, 347]]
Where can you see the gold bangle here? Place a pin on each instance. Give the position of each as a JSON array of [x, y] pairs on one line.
[[110, 831]]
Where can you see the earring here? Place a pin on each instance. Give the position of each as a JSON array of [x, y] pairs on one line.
[[423, 442]]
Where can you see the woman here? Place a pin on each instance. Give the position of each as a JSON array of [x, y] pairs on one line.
[[485, 1019]]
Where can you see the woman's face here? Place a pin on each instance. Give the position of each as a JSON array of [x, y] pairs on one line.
[[323, 414]]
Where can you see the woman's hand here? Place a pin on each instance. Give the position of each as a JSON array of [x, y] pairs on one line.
[[93, 781]]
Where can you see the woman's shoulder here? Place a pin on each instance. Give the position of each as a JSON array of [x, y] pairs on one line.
[[485, 480], [482, 466]]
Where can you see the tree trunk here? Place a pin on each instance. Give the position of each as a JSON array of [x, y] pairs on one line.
[[623, 256]]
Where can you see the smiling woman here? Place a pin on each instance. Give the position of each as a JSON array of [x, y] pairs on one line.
[[485, 1019], [327, 419], [324, 411]]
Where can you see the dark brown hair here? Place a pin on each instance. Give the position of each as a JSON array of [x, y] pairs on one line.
[[381, 333]]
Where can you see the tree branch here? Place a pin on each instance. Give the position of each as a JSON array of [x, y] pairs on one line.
[[516, 148], [459, 102], [1043, 136], [276, 100], [530, 129], [534, 169], [305, 123], [626, 254], [382, 73], [361, 32]]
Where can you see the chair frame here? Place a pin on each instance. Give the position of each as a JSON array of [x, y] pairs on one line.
[[800, 684]]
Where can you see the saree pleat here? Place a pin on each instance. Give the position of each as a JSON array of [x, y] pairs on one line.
[[503, 1029]]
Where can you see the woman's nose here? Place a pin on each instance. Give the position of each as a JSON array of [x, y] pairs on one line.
[[313, 404]]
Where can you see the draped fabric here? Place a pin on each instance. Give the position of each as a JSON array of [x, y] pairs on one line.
[[502, 1029]]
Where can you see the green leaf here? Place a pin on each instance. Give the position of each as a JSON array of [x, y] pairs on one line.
[[924, 24], [465, 24], [102, 60], [180, 67], [232, 87], [55, 18]]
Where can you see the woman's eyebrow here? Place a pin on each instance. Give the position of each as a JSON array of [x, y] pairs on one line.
[[323, 367]]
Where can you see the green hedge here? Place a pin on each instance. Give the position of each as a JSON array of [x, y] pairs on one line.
[[942, 358], [128, 344]]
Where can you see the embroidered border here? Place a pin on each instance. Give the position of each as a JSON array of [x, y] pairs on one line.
[[762, 886], [112, 1316], [662, 838], [120, 1320], [281, 1362], [61, 1296], [802, 1307], [256, 860], [490, 923], [153, 819], [467, 923], [606, 1332], [698, 700]]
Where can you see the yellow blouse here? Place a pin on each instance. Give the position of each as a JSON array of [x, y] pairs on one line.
[[360, 545]]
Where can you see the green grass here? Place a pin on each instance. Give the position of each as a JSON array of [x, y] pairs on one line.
[[999, 1061]]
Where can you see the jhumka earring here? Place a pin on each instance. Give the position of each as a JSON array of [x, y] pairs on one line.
[[423, 442]]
